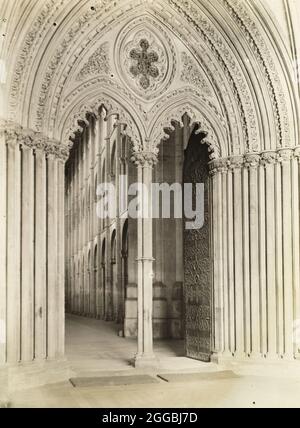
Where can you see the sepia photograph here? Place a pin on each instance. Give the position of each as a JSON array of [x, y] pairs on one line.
[[149, 208]]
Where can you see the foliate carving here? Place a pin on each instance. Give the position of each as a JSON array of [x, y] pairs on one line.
[[144, 158], [22, 65], [235, 162], [297, 153], [145, 57], [252, 160], [144, 68], [145, 61], [16, 134], [56, 59], [191, 74], [285, 155], [268, 158], [259, 47], [229, 67], [98, 63], [218, 165]]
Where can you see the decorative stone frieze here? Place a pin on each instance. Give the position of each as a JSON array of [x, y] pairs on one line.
[[16, 134], [253, 160]]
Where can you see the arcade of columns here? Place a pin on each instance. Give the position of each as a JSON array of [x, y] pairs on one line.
[[227, 68], [255, 251]]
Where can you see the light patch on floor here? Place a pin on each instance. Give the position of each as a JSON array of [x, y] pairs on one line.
[[112, 381], [196, 377]]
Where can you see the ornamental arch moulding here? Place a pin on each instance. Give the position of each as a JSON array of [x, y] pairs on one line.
[[248, 84], [70, 124], [217, 137]]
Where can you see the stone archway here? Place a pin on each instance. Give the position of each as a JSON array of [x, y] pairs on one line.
[[250, 116]]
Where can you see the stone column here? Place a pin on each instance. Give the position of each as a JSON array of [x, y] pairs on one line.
[[3, 234], [235, 164], [296, 245], [52, 239], [216, 168], [61, 257], [285, 157], [268, 161], [252, 163], [99, 222], [145, 356], [40, 255], [13, 248], [27, 242]]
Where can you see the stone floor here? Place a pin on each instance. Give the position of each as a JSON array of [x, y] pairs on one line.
[[93, 348]]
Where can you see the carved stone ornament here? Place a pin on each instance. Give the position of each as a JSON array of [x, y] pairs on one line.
[[144, 158], [218, 165], [191, 74], [268, 158], [98, 63], [252, 160], [15, 134], [145, 58], [144, 66], [235, 162], [285, 155]]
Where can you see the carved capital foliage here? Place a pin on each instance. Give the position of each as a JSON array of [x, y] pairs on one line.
[[144, 158], [235, 162], [297, 153], [252, 160], [15, 134], [285, 155], [268, 158], [218, 165]]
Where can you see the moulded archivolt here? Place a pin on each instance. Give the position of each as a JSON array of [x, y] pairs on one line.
[[79, 114], [176, 114], [145, 58]]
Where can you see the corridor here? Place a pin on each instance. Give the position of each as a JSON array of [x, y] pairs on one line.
[[94, 345]]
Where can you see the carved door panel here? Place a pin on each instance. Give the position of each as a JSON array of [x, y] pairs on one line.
[[197, 261]]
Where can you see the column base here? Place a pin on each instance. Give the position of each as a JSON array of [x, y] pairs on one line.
[[146, 361]]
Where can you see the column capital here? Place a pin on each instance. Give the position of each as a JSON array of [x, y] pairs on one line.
[[144, 158], [16, 134], [252, 160], [218, 165], [285, 154], [268, 158], [297, 153], [235, 162]]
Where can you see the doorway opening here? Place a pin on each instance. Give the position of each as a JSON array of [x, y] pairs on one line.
[[183, 260], [101, 252]]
